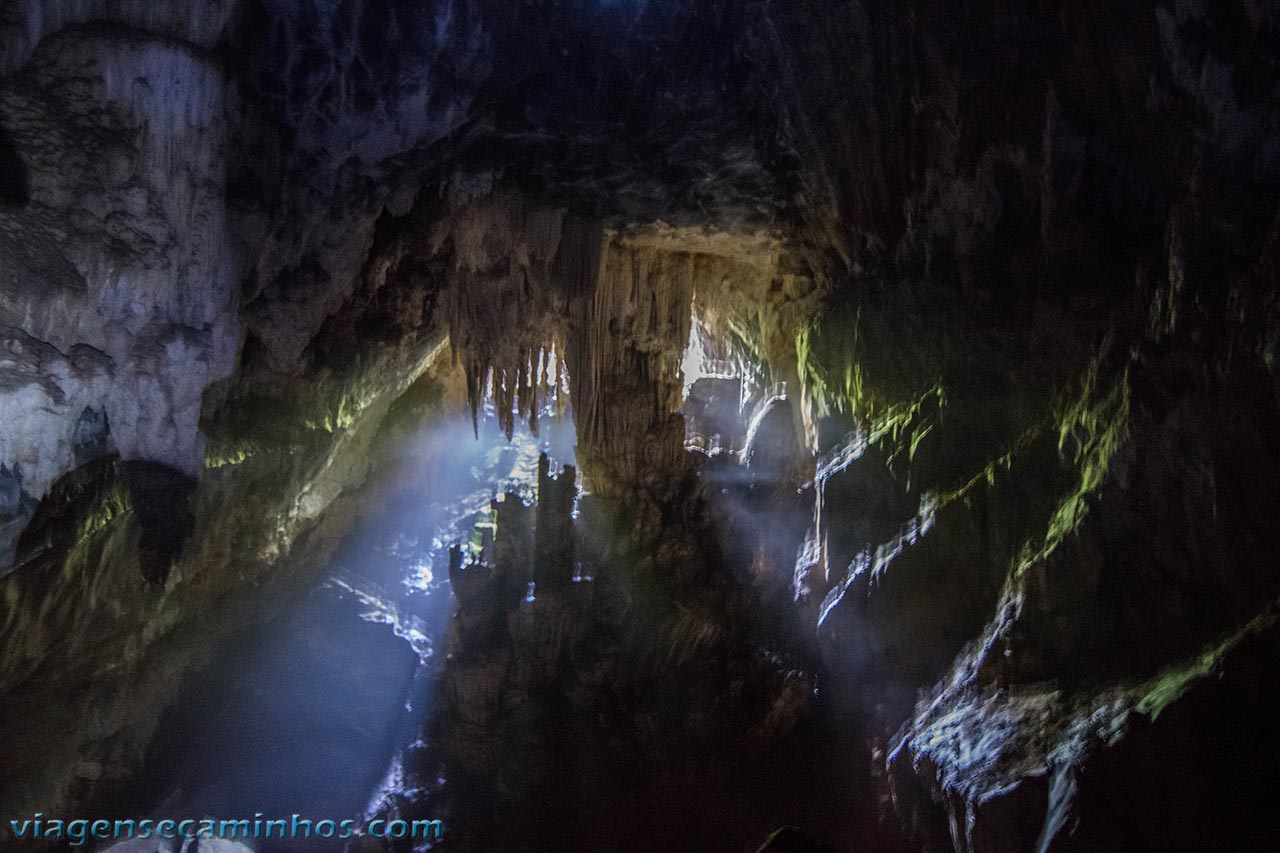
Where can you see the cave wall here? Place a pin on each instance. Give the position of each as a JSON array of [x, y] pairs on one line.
[[120, 306], [1057, 230], [1018, 267]]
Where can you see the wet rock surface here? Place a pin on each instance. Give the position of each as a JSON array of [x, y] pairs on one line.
[[995, 291]]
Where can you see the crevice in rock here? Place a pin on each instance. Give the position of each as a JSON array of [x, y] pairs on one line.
[[15, 179]]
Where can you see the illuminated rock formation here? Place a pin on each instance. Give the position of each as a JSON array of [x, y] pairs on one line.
[[995, 291]]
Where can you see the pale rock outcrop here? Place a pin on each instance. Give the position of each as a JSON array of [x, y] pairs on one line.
[[119, 280]]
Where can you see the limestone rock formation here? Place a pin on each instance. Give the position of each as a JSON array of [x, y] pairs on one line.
[[922, 354]]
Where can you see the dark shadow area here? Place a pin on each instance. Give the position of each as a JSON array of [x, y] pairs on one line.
[[15, 182]]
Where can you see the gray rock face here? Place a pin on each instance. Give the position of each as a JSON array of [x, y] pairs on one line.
[[25, 23], [119, 290], [371, 79]]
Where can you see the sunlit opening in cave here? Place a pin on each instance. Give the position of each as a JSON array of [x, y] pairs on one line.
[[694, 361], [712, 402]]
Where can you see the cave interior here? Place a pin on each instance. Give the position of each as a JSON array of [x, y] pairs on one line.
[[641, 425]]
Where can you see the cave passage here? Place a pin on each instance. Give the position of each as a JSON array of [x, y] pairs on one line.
[[615, 426], [330, 709]]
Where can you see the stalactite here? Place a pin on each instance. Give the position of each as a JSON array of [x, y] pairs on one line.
[[514, 263], [543, 299], [625, 360]]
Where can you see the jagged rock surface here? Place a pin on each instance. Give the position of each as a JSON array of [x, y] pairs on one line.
[[1041, 386]]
